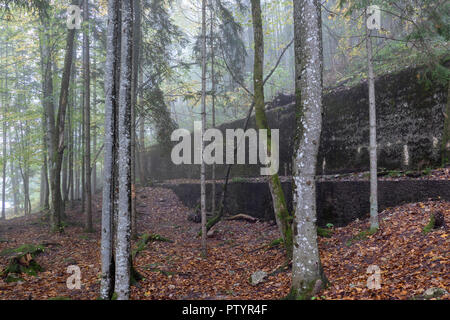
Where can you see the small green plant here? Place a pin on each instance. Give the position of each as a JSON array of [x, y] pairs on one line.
[[60, 298], [21, 260], [329, 225], [13, 278], [144, 240], [426, 171], [24, 249], [275, 242], [430, 225], [362, 235], [325, 233], [394, 174]]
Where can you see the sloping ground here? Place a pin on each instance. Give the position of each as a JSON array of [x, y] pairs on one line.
[[410, 261]]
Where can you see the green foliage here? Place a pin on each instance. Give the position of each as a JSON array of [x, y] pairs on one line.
[[154, 106], [395, 174], [13, 278], [362, 235], [427, 171], [429, 227], [144, 240], [325, 233], [21, 261], [23, 249], [275, 242], [60, 298]]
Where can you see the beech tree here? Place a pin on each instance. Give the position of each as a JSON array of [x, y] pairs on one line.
[[55, 124], [4, 126], [202, 168], [109, 202], [87, 117], [282, 216], [307, 277], [116, 210], [123, 251], [373, 131]]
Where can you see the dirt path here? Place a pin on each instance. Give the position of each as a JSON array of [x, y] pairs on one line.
[[171, 270]]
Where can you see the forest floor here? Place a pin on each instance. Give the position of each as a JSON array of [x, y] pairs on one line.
[[410, 260]]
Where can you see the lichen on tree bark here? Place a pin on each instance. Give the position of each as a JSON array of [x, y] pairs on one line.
[[306, 267]]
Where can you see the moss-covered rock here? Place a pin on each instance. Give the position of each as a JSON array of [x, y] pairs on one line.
[[21, 260]]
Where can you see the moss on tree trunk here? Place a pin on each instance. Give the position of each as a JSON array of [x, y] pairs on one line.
[[446, 134], [282, 216]]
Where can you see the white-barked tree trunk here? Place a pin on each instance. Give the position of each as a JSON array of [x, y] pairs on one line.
[[306, 267]]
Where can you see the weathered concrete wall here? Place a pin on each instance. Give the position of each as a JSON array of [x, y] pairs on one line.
[[410, 125], [338, 202]]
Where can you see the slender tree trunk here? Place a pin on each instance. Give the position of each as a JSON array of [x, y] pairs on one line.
[[110, 149], [202, 168], [373, 136], [445, 149], [123, 252], [134, 93], [4, 128], [282, 216], [77, 161], [143, 171], [45, 192], [81, 155], [94, 134], [307, 277], [213, 108], [15, 187], [70, 143], [94, 110], [44, 176], [49, 128], [87, 119], [60, 132], [55, 125], [65, 165]]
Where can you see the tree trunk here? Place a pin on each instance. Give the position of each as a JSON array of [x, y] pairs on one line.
[[110, 149], [134, 92], [55, 126], [15, 186], [123, 253], [213, 108], [142, 167], [87, 119], [44, 176], [70, 142], [306, 268], [50, 136], [445, 149], [373, 135], [94, 110], [4, 126], [282, 215], [202, 168], [76, 155]]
